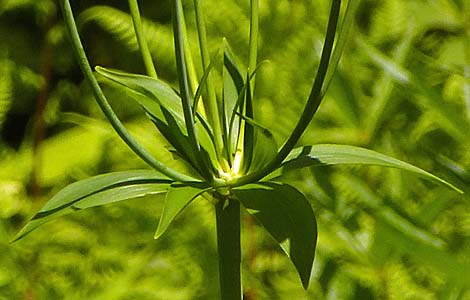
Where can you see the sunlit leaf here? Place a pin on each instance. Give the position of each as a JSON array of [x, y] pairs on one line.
[[233, 89], [330, 154], [163, 104], [96, 191], [265, 146], [177, 198], [157, 92], [288, 217]]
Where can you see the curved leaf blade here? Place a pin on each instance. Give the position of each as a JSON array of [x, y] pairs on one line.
[[287, 215], [177, 198], [97, 191], [332, 154], [156, 90], [264, 145], [163, 105]]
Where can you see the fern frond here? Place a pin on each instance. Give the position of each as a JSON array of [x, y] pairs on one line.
[[119, 25]]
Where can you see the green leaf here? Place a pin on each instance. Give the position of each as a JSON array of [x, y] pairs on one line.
[[175, 136], [288, 217], [97, 191], [154, 141], [330, 154], [341, 41], [163, 104], [202, 84], [265, 146], [233, 67], [233, 90], [158, 93], [177, 198], [249, 134]]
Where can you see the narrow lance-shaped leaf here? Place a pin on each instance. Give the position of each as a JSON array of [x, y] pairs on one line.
[[233, 88], [157, 97], [160, 102], [210, 102], [103, 102], [175, 136], [288, 217], [265, 146], [177, 198], [240, 133], [249, 134], [97, 191], [341, 42], [182, 53], [331, 154], [202, 84], [157, 91]]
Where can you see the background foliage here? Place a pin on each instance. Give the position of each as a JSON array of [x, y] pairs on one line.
[[402, 88]]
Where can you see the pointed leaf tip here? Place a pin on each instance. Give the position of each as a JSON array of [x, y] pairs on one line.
[[176, 200], [97, 191], [333, 154], [287, 215]]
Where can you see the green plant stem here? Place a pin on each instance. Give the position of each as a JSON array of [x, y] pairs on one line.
[[139, 32], [254, 32], [343, 37], [312, 105], [103, 102], [227, 213], [191, 69], [210, 105], [180, 46], [245, 142]]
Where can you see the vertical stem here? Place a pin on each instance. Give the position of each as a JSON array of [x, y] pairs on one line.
[[139, 32], [103, 102], [192, 76], [211, 105], [185, 91], [254, 29], [313, 101], [347, 24], [228, 244]]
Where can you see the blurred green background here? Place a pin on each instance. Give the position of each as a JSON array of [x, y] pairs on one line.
[[402, 88]]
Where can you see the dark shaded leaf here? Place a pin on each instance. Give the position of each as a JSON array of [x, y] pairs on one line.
[[288, 217], [249, 134], [233, 90]]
